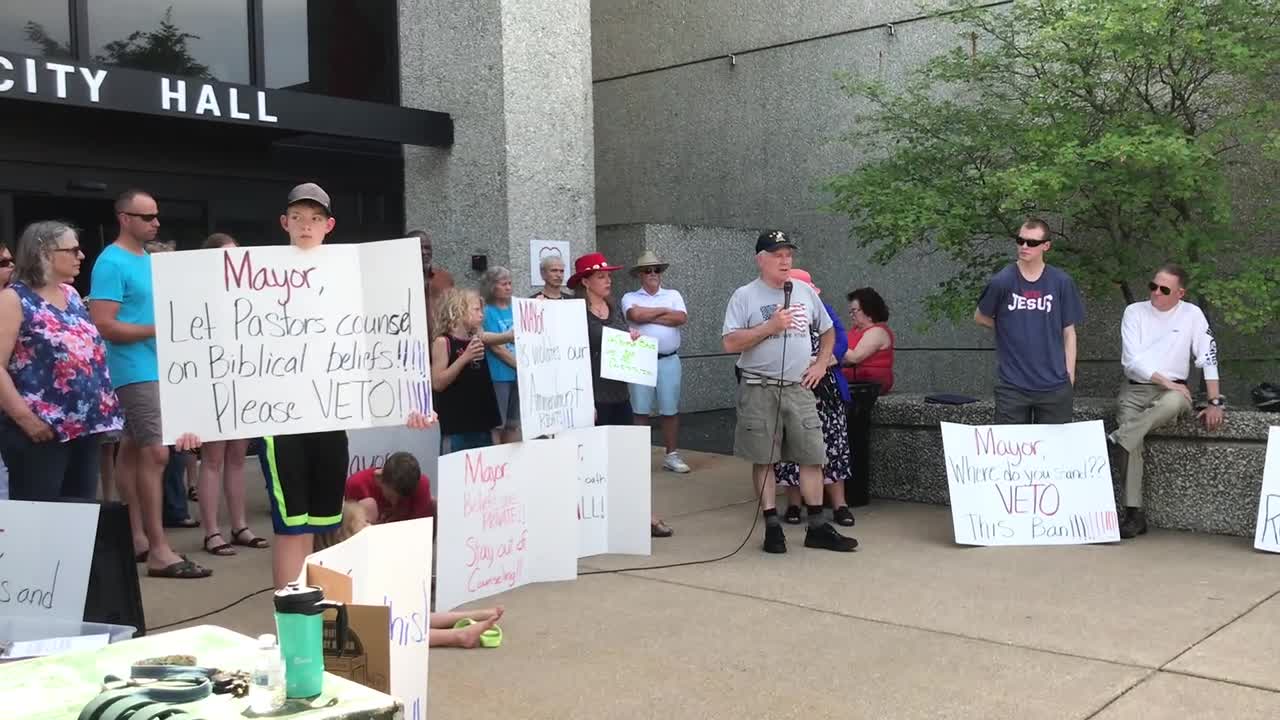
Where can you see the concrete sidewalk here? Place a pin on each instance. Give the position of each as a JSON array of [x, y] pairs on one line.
[[911, 626]]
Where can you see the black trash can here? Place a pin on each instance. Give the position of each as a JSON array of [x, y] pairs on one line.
[[863, 400]]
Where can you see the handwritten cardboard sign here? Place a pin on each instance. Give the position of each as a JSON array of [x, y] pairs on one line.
[[46, 549], [1030, 484], [627, 360], [510, 511], [387, 566], [278, 340], [553, 366], [539, 249], [369, 448], [613, 490], [1267, 533]]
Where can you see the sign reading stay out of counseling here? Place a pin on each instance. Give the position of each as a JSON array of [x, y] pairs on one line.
[[278, 340]]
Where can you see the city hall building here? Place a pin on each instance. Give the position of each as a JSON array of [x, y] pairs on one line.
[[679, 126]]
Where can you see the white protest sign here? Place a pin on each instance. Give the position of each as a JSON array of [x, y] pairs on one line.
[[553, 366], [1030, 484], [46, 549], [1267, 532], [613, 490], [390, 564], [626, 360], [279, 340], [540, 249], [510, 511], [369, 448]]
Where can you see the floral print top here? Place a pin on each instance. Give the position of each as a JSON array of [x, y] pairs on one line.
[[59, 366]]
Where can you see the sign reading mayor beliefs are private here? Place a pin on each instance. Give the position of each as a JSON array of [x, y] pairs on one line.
[[279, 340]]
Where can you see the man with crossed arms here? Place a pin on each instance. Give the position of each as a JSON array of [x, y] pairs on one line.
[[1159, 336]]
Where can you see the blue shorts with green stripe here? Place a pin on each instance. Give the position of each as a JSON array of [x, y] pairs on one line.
[[306, 481]]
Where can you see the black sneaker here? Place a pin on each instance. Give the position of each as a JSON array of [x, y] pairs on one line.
[[792, 517], [843, 516], [1134, 523], [825, 537], [775, 541]]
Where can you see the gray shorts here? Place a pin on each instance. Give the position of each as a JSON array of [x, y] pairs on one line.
[[141, 405], [768, 432], [508, 404]]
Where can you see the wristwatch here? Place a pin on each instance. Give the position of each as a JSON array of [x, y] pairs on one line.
[[1220, 401]]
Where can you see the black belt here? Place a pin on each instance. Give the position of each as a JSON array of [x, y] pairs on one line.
[[662, 355], [1135, 382]]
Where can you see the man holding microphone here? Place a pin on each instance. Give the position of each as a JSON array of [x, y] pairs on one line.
[[767, 322]]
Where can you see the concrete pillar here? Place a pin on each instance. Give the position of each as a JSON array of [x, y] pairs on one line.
[[516, 77]]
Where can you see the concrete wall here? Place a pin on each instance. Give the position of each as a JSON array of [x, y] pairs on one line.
[[685, 137], [515, 76]]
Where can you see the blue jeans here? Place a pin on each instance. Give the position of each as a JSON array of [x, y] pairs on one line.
[[53, 470], [175, 489], [466, 441]]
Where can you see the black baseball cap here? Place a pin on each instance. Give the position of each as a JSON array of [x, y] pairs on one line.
[[771, 240]]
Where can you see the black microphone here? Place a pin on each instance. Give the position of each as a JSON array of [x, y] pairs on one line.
[[786, 294]]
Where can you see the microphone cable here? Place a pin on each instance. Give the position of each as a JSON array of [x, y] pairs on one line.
[[775, 448]]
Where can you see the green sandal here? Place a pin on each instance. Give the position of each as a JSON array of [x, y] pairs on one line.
[[490, 638]]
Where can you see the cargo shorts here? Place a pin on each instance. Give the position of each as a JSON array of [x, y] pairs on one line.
[[778, 424]]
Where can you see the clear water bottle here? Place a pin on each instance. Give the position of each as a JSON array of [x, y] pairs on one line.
[[267, 693]]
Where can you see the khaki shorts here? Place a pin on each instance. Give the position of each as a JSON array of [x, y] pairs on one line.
[[763, 427], [141, 405]]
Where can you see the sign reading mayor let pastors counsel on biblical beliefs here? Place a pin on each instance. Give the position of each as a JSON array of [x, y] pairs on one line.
[[280, 340], [1030, 484]]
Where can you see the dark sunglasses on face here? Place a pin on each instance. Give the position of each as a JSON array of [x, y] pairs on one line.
[[1163, 290], [6, 262], [1030, 243], [651, 271], [144, 217]]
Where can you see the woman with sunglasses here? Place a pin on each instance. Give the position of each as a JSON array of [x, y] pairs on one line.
[[6, 265], [54, 387]]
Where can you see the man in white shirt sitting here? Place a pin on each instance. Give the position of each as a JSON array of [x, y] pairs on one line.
[[1159, 337], [658, 312]]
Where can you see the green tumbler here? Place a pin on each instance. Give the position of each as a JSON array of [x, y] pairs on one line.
[[300, 628]]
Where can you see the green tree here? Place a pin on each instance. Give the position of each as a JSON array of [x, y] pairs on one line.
[[1120, 121], [161, 50]]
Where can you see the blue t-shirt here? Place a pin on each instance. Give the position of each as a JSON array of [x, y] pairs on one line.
[[499, 320], [1030, 318], [125, 278]]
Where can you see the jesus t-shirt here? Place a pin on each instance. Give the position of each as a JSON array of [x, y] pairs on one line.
[[1030, 318]]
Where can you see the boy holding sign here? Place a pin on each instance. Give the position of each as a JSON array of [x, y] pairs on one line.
[[308, 471]]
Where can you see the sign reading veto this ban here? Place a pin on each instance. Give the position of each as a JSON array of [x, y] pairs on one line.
[[1030, 484], [1267, 533], [279, 340]]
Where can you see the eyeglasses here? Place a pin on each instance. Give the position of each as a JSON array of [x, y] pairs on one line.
[[144, 217], [6, 262], [1163, 289], [74, 250], [651, 271], [1029, 242]]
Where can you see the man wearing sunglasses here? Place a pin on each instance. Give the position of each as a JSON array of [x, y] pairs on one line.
[[658, 312], [1159, 336], [1034, 309]]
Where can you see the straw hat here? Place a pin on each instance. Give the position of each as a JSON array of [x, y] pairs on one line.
[[648, 259]]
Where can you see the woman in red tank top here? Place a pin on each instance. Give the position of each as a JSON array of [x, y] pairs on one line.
[[870, 354]]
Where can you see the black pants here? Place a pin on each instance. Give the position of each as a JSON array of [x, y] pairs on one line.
[[53, 470], [1027, 407], [618, 413]]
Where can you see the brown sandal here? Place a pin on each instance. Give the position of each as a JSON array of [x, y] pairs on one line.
[[253, 542], [660, 530], [223, 550], [181, 570]]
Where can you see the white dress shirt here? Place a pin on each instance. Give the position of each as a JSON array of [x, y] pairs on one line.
[[1164, 342], [668, 337]]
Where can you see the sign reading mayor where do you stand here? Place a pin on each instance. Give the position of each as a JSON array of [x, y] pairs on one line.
[[280, 340], [1030, 484]]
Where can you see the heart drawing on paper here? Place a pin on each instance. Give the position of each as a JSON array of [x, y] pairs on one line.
[[547, 251]]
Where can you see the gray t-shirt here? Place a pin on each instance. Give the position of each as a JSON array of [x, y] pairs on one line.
[[753, 304]]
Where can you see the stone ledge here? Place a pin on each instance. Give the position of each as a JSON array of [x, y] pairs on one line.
[[1195, 479]]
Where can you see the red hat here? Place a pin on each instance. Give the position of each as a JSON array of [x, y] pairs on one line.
[[587, 264]]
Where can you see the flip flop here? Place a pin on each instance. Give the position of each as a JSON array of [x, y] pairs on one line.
[[490, 638], [182, 570]]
